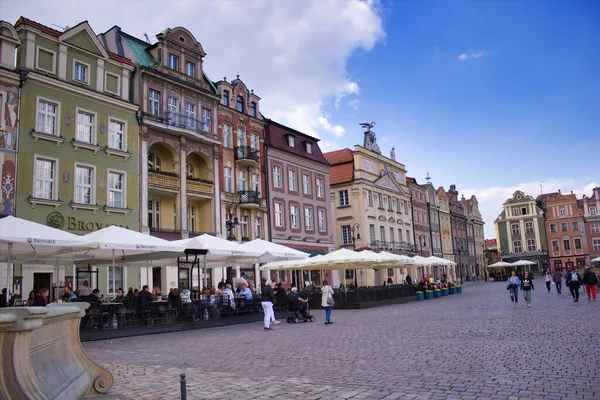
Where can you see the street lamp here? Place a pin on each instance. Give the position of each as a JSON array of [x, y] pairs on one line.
[[355, 235], [230, 225], [460, 251]]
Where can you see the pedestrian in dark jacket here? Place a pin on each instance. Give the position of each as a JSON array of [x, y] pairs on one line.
[[591, 281], [557, 277], [573, 281], [527, 287]]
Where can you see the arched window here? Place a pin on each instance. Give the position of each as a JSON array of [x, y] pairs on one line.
[[190, 170], [240, 104], [153, 162], [253, 109]]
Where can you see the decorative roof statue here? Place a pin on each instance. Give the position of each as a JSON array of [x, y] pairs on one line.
[[370, 142], [393, 154]]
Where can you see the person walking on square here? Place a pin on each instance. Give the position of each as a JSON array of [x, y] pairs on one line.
[[267, 298], [527, 288], [327, 301], [557, 277], [591, 281], [573, 281], [548, 279], [512, 284]]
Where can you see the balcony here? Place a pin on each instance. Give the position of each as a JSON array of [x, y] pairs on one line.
[[394, 247], [246, 156], [200, 188], [163, 181], [249, 199]]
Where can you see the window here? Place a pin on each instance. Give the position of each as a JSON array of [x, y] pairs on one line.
[[523, 210], [567, 244], [85, 127], [563, 212], [278, 214], [242, 180], [45, 178], [320, 187], [575, 225], [563, 227], [306, 183], [389, 201], [254, 141], [115, 279], [190, 111], [80, 72], [529, 227], [291, 141], [191, 214], [253, 109], [226, 98], [153, 102], [372, 237], [405, 207], [322, 224], [241, 136], [190, 69], [228, 180], [255, 183], [596, 243], [515, 211], [116, 134], [240, 104], [555, 246], [153, 214], [244, 225], [398, 205], [206, 120], [392, 235], [153, 163], [47, 115], [369, 198], [173, 106], [277, 176], [407, 236], [84, 178], [346, 234], [577, 242], [294, 215], [382, 233], [292, 180], [257, 227], [116, 189], [344, 200], [517, 246], [595, 226], [515, 229], [400, 235], [308, 147], [553, 228], [308, 218], [349, 274], [173, 62], [592, 210], [379, 200], [227, 136], [531, 245], [175, 215]]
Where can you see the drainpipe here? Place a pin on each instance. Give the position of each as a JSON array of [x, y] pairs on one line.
[[267, 184], [22, 79]]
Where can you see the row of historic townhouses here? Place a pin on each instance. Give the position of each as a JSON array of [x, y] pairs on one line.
[[300, 203], [521, 233], [477, 260], [434, 227], [591, 208], [458, 221], [242, 177], [10, 79], [179, 143], [78, 147], [565, 228], [421, 232], [371, 201], [446, 231]]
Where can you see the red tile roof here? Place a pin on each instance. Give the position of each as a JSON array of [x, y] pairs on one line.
[[490, 242], [341, 173], [411, 180], [339, 156], [276, 133], [55, 33]]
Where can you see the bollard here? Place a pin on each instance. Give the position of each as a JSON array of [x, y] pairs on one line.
[[183, 389]]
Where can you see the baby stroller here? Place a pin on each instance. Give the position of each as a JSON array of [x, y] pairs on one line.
[[300, 311]]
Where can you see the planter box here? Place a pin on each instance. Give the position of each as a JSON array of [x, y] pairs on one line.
[[452, 290], [429, 295], [420, 297], [459, 290], [437, 294], [444, 292]]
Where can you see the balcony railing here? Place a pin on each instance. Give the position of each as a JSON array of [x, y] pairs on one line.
[[163, 180], [203, 187], [249, 197], [393, 246], [186, 122], [246, 153]]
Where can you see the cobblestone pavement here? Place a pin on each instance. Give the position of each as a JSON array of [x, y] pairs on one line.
[[469, 346]]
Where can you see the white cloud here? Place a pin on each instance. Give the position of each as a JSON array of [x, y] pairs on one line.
[[491, 199], [470, 54], [292, 53], [354, 104]]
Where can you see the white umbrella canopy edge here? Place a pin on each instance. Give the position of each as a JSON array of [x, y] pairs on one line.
[[272, 251], [523, 262], [500, 264], [597, 259], [217, 246]]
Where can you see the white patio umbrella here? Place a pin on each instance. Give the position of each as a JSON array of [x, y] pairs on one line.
[[273, 251], [500, 264], [597, 259], [284, 265], [20, 238], [344, 259], [523, 262]]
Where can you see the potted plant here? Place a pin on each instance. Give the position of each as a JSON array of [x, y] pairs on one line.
[[452, 289], [245, 239], [420, 296], [437, 293], [458, 289], [429, 295], [444, 291]]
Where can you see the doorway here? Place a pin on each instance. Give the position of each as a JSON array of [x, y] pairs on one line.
[[156, 277], [41, 281]]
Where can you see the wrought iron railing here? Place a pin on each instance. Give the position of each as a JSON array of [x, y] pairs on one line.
[[246, 153], [249, 197], [186, 122], [393, 246]]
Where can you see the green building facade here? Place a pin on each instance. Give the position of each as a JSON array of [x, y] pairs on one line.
[[78, 148]]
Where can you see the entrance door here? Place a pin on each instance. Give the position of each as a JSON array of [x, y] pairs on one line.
[[41, 281], [156, 277]]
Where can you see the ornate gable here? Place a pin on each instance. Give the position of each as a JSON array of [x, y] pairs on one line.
[[82, 36], [387, 182]]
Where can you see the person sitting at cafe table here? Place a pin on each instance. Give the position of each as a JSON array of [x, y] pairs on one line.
[[244, 291], [220, 287], [30, 299], [228, 295], [84, 290], [69, 295], [41, 298], [156, 295], [241, 280], [3, 302], [93, 298], [120, 296]]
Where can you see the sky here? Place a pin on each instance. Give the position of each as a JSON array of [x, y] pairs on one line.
[[490, 96]]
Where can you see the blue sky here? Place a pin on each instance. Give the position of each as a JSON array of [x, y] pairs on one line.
[[490, 96]]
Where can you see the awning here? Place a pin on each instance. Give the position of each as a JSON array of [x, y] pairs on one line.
[[313, 252]]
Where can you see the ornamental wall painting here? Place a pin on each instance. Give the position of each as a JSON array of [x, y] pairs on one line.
[[7, 182], [8, 147]]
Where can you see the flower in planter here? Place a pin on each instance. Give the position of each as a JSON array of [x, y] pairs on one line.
[[420, 292], [437, 290], [430, 291], [245, 239]]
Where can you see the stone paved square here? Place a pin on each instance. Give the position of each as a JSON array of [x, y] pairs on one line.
[[469, 346]]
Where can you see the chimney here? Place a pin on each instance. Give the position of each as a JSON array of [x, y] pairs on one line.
[[558, 191]]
